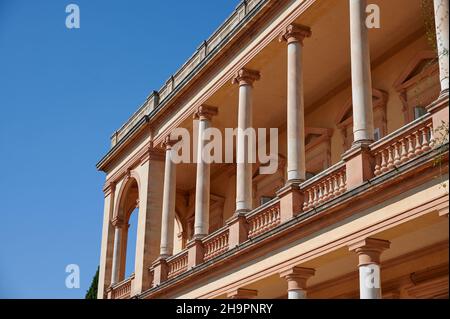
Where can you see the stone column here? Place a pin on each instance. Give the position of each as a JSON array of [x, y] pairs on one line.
[[204, 115], [296, 278], [119, 226], [363, 130], [441, 9], [245, 79], [296, 167], [168, 205], [369, 251]]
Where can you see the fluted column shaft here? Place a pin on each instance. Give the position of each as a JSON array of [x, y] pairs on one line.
[[363, 127]]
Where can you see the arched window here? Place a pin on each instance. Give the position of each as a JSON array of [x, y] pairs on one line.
[[344, 119], [418, 85]]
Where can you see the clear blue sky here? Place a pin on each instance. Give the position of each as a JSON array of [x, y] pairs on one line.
[[62, 93]]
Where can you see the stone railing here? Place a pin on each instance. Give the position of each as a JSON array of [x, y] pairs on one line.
[[325, 186], [220, 35], [177, 264], [403, 145], [264, 219], [215, 244], [122, 290]]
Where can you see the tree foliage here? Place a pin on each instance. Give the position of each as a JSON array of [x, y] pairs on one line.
[[92, 292]]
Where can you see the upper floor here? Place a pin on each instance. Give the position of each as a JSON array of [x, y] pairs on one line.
[[407, 106]]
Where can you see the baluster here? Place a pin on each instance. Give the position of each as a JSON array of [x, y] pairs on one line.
[[404, 155], [425, 145], [325, 191], [384, 164], [390, 163], [430, 128], [266, 220], [319, 193], [343, 182], [397, 161], [377, 170], [418, 146], [411, 154], [336, 185], [311, 198], [306, 200], [331, 187], [315, 196]]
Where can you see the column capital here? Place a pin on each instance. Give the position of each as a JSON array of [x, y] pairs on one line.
[[168, 142], [246, 77], [297, 277], [295, 33], [205, 112], [242, 293], [369, 250], [118, 221]]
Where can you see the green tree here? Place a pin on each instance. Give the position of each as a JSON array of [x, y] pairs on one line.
[[92, 292]]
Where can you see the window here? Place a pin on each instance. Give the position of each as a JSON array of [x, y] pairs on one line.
[[418, 85], [419, 111], [377, 134], [265, 199], [309, 175]]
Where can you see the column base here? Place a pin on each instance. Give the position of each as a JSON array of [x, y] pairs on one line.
[[242, 211], [297, 294]]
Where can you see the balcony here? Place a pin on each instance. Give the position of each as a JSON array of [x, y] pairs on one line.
[[390, 154]]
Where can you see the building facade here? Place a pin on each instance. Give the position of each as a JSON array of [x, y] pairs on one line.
[[357, 204]]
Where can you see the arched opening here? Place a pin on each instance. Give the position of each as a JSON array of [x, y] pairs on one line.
[[131, 243], [128, 211]]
